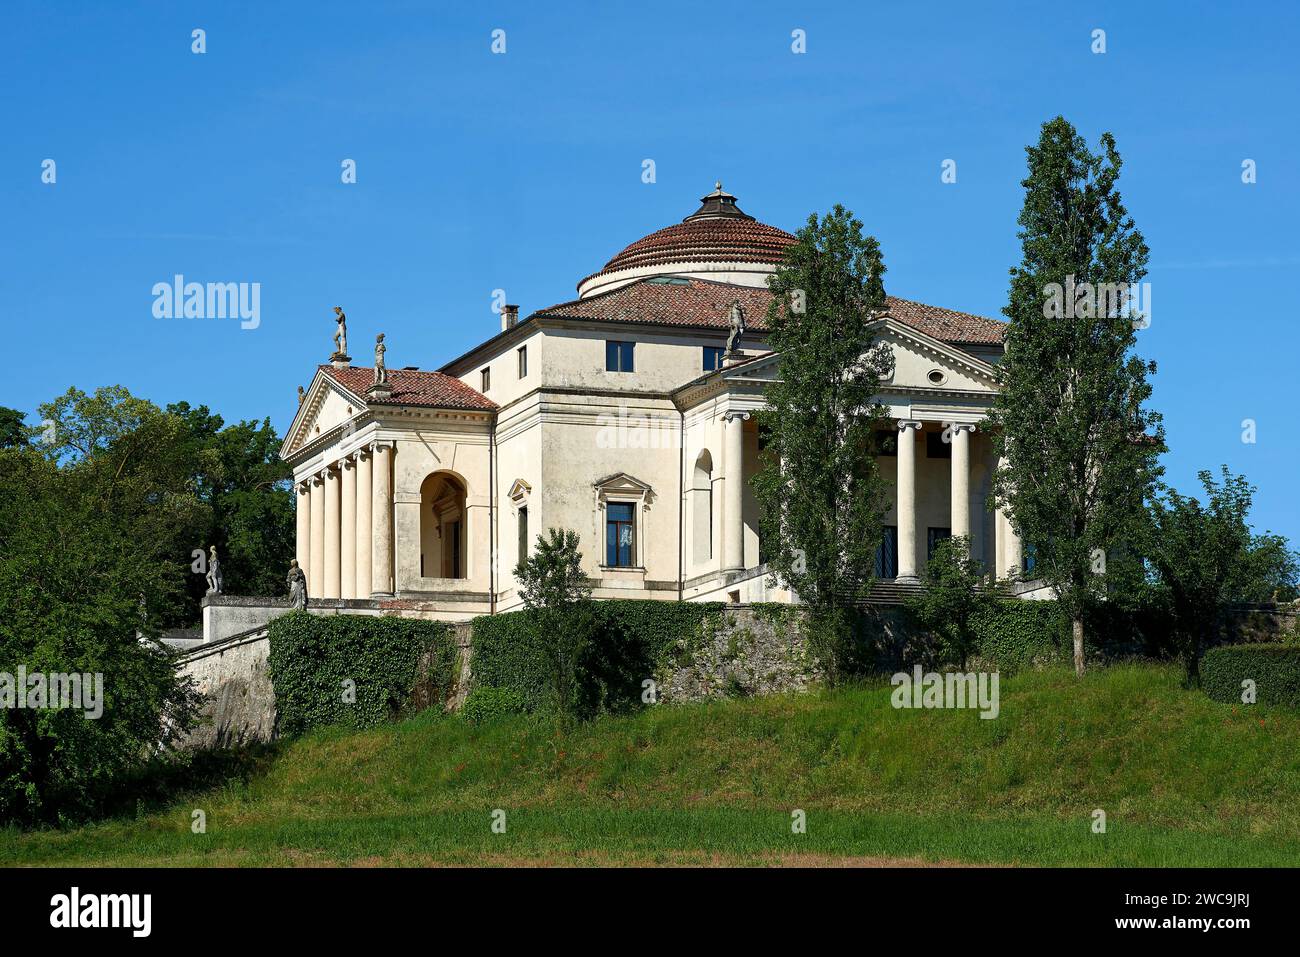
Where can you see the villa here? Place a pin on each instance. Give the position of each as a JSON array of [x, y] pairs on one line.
[[622, 414]]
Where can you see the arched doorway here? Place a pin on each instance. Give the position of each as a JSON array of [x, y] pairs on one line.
[[442, 526]]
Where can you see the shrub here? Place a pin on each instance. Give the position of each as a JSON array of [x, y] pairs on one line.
[[587, 658], [1275, 669], [354, 670], [484, 705]]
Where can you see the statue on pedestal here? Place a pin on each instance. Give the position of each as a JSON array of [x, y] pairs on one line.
[[381, 371], [297, 582], [214, 572], [341, 333], [301, 395]]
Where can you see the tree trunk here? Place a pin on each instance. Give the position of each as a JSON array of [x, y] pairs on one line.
[[1077, 628]]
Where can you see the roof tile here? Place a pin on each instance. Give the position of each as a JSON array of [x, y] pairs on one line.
[[413, 387], [681, 301]]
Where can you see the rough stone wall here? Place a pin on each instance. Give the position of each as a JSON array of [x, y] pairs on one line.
[[239, 702], [1261, 623], [749, 651]]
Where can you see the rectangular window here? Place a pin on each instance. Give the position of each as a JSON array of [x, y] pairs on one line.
[[887, 553], [523, 533], [712, 358], [618, 356], [485, 379], [936, 447], [523, 361], [620, 535], [933, 536]]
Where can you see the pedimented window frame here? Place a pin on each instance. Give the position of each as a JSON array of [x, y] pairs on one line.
[[622, 488]]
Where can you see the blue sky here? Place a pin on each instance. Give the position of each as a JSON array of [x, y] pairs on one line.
[[522, 172]]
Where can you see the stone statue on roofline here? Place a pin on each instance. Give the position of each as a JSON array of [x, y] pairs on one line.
[[736, 320], [340, 334], [381, 371], [301, 395]]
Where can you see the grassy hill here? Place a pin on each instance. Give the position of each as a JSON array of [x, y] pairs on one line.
[[1183, 781]]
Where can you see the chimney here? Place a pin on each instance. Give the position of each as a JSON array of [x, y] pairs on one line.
[[509, 317]]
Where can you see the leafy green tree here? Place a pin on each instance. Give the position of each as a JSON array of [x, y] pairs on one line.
[[238, 473], [552, 576], [1081, 449], [821, 497], [75, 576], [555, 592], [13, 434], [952, 598], [1205, 558], [130, 459]]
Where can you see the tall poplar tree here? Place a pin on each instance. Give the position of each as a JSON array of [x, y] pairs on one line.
[[1081, 448], [821, 497]]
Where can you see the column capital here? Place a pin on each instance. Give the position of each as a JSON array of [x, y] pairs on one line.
[[961, 426], [347, 462], [381, 444], [735, 414], [905, 424]]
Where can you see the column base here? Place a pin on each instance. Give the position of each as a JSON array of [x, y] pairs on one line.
[[907, 580], [381, 594]]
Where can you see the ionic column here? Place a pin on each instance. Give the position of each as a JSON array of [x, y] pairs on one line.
[[302, 511], [381, 506], [733, 487], [316, 567], [960, 517], [348, 532], [363, 585], [907, 499], [331, 589]]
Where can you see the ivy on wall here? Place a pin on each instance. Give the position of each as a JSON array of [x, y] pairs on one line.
[[622, 643], [354, 670]]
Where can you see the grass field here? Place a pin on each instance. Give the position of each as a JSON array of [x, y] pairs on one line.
[[1183, 781]]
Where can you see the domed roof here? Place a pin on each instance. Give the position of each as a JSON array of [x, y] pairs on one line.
[[716, 232]]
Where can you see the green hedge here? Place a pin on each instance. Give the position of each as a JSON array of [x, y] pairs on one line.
[[619, 644], [1275, 669], [312, 657]]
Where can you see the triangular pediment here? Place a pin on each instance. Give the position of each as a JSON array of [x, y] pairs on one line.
[[925, 363], [620, 483], [325, 407]]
